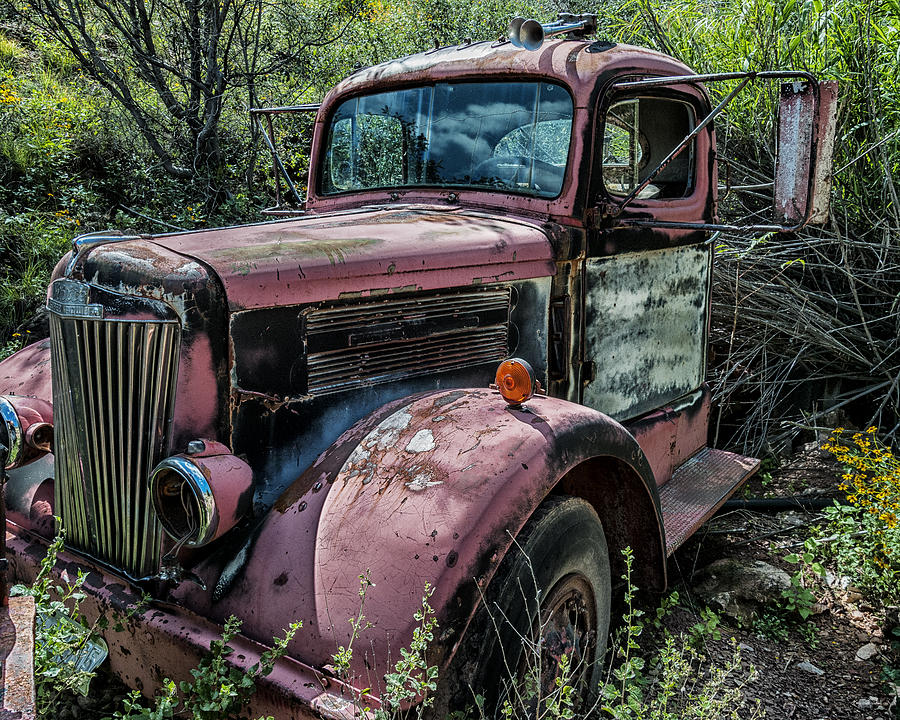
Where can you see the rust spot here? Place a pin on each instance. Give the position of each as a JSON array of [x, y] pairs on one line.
[[448, 398]]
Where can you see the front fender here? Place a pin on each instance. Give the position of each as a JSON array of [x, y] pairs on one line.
[[27, 372], [430, 490], [29, 489]]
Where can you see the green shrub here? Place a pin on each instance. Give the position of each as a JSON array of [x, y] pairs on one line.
[[863, 536], [56, 646], [673, 681], [11, 54]]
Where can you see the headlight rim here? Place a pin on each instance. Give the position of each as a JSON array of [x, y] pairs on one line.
[[14, 432], [208, 519]]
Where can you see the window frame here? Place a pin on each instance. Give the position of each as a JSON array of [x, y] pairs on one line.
[[537, 80], [603, 192]]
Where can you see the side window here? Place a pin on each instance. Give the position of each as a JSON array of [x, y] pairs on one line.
[[638, 134]]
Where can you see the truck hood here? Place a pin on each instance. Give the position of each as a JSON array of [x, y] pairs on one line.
[[365, 252]]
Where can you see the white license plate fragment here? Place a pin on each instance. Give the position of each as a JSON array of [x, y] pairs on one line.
[[88, 650]]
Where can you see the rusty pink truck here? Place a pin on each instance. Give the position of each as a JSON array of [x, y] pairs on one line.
[[242, 420]]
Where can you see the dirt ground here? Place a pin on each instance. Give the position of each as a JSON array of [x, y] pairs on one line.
[[815, 673]]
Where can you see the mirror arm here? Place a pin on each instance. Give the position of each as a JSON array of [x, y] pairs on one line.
[[715, 77], [713, 226], [267, 134]]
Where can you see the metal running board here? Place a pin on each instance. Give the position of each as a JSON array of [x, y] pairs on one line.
[[698, 488]]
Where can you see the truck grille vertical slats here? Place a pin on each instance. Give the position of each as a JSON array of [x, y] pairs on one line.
[[113, 397]]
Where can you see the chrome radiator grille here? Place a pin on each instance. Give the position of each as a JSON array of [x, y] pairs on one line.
[[382, 340], [113, 396]]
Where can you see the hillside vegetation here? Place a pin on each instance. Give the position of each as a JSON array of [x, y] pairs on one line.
[[105, 125]]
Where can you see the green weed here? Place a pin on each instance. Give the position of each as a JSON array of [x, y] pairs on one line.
[[674, 680], [11, 53], [56, 646], [862, 538]]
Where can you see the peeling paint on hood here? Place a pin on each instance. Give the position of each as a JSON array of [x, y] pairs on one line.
[[366, 252]]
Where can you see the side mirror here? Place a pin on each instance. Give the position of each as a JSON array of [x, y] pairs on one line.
[[806, 131], [807, 120]]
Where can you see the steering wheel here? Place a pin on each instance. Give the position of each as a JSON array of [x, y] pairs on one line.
[[507, 169]]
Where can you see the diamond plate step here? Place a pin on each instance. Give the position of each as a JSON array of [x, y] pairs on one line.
[[698, 488]]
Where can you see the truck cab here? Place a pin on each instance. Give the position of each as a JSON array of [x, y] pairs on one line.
[[247, 419]]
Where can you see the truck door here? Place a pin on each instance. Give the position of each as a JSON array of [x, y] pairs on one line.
[[646, 290]]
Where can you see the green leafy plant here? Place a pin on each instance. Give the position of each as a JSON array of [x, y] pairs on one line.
[[862, 537], [412, 678], [706, 629], [218, 690], [675, 680], [60, 635], [772, 625], [799, 597], [890, 672]]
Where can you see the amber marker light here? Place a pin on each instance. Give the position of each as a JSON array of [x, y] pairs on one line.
[[515, 381]]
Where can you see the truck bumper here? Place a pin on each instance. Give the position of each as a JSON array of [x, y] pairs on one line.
[[163, 640]]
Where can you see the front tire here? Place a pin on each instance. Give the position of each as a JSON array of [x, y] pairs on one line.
[[549, 598]]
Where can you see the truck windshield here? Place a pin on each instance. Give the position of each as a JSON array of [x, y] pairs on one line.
[[512, 136]]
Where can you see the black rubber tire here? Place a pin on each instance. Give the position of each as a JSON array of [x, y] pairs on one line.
[[561, 545]]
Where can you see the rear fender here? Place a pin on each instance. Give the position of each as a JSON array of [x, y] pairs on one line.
[[430, 491]]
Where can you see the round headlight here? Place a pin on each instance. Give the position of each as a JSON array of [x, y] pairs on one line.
[[10, 432], [184, 501], [201, 495]]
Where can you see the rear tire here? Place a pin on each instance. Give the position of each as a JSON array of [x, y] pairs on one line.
[[550, 596]]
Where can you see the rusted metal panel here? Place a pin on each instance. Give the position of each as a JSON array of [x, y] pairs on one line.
[[168, 641], [806, 132], [27, 372], [698, 488], [29, 496], [283, 431], [671, 434], [367, 252], [17, 659], [428, 489], [645, 328], [826, 128], [387, 339], [796, 132]]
